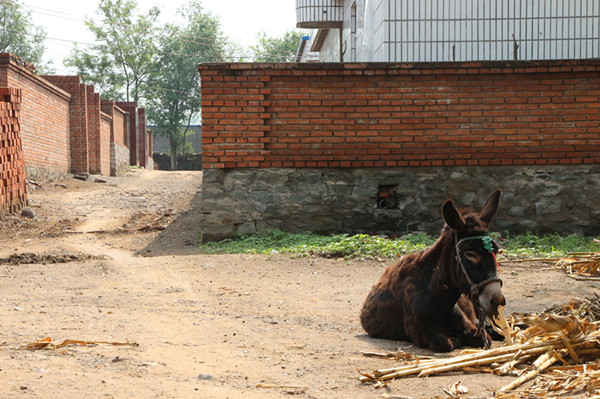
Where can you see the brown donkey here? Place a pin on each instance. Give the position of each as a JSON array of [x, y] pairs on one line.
[[439, 298]]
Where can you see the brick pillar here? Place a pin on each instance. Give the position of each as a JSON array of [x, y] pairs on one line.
[[142, 145]]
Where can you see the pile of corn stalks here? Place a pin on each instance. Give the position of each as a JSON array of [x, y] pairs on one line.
[[577, 265], [585, 265], [559, 351]]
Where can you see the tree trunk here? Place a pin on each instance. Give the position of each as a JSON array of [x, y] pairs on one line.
[[173, 150]]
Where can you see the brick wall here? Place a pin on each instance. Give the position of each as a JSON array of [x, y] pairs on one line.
[[119, 135], [131, 109], [104, 148], [120, 124], [78, 119], [44, 116], [393, 115], [13, 189], [142, 144], [66, 128], [90, 137], [313, 147]]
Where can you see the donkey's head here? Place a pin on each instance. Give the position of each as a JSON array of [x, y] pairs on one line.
[[476, 253]]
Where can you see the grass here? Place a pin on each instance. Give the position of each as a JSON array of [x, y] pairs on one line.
[[547, 246], [363, 246]]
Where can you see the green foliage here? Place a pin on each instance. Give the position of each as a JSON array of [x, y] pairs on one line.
[[547, 246], [121, 64], [18, 34], [304, 244], [277, 49], [364, 246]]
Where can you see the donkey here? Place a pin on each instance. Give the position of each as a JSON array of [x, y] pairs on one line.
[[439, 298]]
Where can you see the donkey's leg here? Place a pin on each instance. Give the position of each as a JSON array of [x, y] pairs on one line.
[[426, 324], [464, 324], [433, 338]]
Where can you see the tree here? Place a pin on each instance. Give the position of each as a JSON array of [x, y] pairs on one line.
[[174, 87], [273, 49], [121, 64], [18, 34]]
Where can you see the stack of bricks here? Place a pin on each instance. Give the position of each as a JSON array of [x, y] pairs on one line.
[[13, 187]]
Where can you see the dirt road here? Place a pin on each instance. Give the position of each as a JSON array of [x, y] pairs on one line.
[[115, 262]]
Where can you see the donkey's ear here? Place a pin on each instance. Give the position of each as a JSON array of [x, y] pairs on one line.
[[452, 216], [490, 207]]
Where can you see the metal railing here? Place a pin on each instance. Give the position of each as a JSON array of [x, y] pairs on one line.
[[463, 30], [319, 13]]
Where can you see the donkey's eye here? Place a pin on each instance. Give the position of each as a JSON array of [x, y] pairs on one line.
[[473, 257]]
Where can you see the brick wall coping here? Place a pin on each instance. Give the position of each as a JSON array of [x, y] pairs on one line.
[[24, 70], [121, 110], [417, 68], [114, 106]]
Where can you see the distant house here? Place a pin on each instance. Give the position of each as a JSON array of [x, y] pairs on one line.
[[449, 30]]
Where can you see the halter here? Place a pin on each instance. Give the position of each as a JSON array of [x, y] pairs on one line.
[[487, 244], [476, 287]]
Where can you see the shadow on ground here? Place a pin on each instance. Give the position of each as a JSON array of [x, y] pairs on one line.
[[180, 237]]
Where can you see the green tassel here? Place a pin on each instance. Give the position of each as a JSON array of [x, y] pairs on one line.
[[487, 243]]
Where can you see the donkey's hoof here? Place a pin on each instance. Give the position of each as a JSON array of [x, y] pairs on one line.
[[479, 341], [446, 344]]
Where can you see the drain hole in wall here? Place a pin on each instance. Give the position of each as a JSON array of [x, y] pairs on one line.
[[387, 196]]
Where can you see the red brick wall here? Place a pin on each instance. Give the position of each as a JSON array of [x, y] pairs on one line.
[[104, 148], [44, 116], [142, 144], [63, 126], [78, 120], [131, 109], [13, 189], [120, 124], [90, 144], [373, 115]]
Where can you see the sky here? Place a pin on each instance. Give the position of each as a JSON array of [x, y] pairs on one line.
[[241, 21]]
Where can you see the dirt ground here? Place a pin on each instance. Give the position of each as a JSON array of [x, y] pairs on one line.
[[115, 261]]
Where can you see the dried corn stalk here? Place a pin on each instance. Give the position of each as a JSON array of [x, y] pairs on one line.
[[501, 326], [47, 343]]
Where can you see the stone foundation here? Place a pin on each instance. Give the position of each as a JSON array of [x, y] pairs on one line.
[[544, 199], [119, 159]]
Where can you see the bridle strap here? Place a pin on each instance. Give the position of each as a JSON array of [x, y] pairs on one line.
[[475, 287]]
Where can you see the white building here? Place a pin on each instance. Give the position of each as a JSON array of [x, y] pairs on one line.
[[450, 30]]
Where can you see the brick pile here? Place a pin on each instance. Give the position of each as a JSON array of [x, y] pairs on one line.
[[13, 188]]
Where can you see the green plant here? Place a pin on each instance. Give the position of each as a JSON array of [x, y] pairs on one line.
[[306, 244], [547, 246], [363, 246]]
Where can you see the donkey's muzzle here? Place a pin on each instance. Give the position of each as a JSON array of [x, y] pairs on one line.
[[491, 297]]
